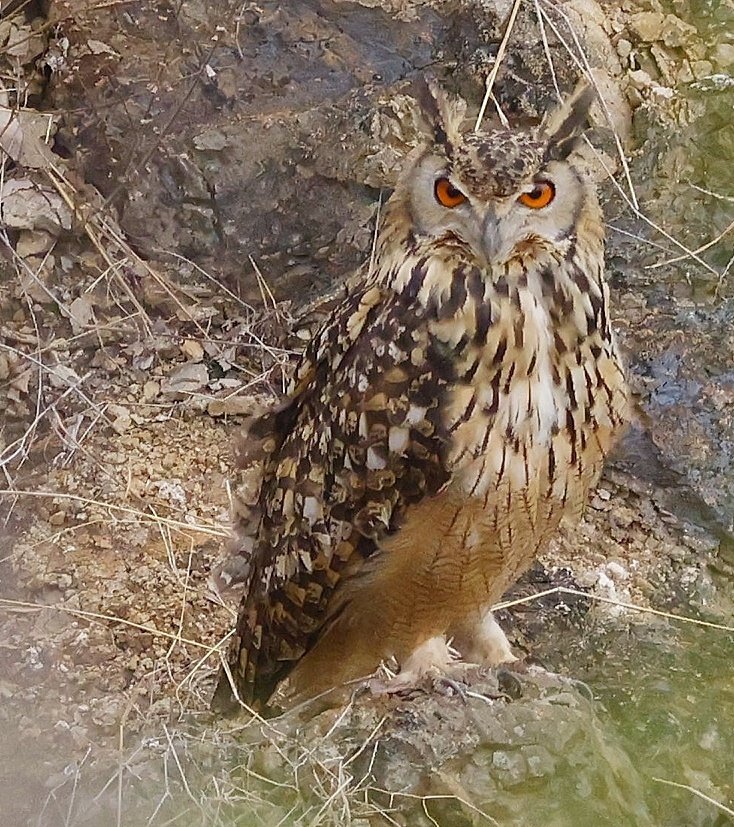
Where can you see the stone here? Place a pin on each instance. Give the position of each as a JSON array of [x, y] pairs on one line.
[[151, 389], [723, 55], [624, 48], [192, 350], [29, 205], [34, 243], [685, 73], [646, 26], [186, 380], [701, 68], [676, 33]]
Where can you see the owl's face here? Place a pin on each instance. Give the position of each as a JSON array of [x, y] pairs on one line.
[[538, 208], [500, 193]]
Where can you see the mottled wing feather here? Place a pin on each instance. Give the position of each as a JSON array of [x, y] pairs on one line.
[[359, 439]]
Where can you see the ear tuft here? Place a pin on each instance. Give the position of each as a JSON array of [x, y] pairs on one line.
[[566, 125], [442, 114]]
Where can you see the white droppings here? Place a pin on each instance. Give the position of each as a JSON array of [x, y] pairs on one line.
[[609, 589], [616, 571]]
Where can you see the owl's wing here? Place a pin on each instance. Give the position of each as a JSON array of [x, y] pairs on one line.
[[358, 440]]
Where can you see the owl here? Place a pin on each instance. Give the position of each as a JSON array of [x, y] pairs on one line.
[[454, 406]]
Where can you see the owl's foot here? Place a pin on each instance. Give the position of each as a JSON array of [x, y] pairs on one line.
[[433, 658], [484, 642]]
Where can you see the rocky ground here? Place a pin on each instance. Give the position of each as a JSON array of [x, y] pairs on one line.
[[174, 176]]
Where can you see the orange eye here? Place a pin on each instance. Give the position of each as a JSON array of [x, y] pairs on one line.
[[539, 196], [447, 195]]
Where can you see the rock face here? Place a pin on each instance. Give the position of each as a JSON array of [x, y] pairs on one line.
[[266, 130], [478, 758]]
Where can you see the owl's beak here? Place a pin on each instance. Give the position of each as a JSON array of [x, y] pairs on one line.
[[495, 244]]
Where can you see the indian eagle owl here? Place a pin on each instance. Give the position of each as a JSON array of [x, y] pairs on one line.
[[454, 407]]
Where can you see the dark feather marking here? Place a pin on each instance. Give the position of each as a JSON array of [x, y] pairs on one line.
[[471, 372], [531, 363], [417, 277], [519, 331], [493, 407], [561, 346], [508, 380], [483, 321], [457, 294], [475, 285], [581, 280], [548, 282], [499, 354], [566, 132]]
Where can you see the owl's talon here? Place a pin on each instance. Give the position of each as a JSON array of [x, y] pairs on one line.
[[434, 657], [457, 686]]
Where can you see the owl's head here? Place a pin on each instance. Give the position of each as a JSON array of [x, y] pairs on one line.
[[500, 192]]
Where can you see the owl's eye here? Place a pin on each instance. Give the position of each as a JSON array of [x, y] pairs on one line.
[[539, 196], [447, 195]]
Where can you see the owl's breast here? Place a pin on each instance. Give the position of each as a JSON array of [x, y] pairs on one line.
[[507, 402], [510, 447], [531, 415]]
